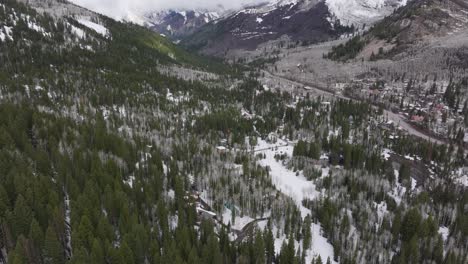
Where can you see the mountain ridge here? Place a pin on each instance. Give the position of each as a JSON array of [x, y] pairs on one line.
[[306, 22]]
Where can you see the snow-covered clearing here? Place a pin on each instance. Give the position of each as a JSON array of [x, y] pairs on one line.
[[285, 180], [298, 188], [94, 26], [320, 245], [239, 222]]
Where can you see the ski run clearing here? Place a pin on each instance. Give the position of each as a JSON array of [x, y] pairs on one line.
[[94, 26], [298, 188]]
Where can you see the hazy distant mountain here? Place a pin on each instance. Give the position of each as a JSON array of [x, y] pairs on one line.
[[177, 24]]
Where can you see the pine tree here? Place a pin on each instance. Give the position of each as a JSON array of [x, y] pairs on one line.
[[259, 249], [405, 174], [114, 255], [396, 226], [36, 235], [80, 255], [438, 252], [319, 260], [306, 233], [53, 250], [269, 245], [126, 253], [410, 225], [97, 253], [84, 235], [18, 255], [4, 201], [21, 217]]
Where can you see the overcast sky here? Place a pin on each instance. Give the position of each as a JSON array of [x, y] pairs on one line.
[[121, 8]]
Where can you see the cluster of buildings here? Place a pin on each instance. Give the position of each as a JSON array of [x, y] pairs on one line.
[[421, 103]]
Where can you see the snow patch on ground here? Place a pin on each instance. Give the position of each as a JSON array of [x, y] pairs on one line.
[[398, 191], [94, 26], [78, 32], [285, 180], [171, 194], [381, 210], [413, 184], [386, 153], [319, 245], [461, 176], [34, 26], [239, 222], [130, 181], [7, 33], [444, 232], [298, 188]]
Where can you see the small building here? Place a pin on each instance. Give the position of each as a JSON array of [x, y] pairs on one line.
[[205, 214]]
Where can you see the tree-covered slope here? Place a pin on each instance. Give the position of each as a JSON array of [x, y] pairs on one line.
[[79, 180], [419, 20], [106, 158], [101, 153]]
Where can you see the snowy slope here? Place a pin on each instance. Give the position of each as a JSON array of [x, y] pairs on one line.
[[298, 188], [360, 12], [94, 26]]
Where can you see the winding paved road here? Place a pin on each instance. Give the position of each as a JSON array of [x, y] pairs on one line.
[[399, 120]]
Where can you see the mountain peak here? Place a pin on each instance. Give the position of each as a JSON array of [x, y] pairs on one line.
[[362, 12]]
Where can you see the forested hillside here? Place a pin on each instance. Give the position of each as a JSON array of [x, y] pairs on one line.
[[402, 31], [110, 153]]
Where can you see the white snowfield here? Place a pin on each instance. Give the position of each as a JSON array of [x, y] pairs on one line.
[[239, 222], [360, 12], [298, 188], [77, 31], [285, 180], [94, 26], [6, 33], [461, 176]]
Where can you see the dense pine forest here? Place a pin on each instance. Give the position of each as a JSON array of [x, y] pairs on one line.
[[110, 152]]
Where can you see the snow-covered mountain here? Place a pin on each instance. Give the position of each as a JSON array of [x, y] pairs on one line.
[[176, 24], [316, 20], [304, 21], [362, 12]]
